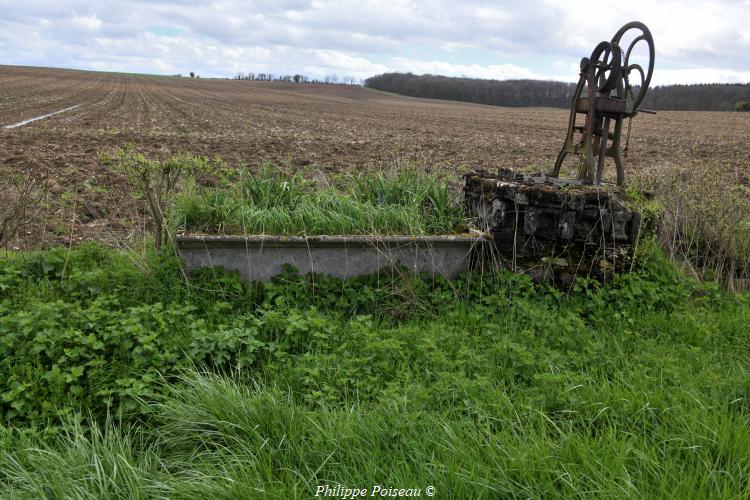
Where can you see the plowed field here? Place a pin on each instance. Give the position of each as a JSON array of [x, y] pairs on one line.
[[324, 126]]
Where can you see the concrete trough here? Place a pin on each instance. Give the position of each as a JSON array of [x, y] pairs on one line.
[[259, 258]]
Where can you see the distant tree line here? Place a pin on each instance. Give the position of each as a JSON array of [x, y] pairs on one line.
[[495, 92], [698, 97], [521, 93], [298, 78]]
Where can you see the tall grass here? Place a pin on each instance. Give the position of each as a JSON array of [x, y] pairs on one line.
[[659, 427], [270, 202], [705, 219], [81, 461], [502, 389]]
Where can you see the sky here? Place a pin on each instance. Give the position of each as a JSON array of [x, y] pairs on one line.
[[696, 42]]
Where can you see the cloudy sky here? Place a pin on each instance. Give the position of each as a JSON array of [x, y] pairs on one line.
[[695, 41]]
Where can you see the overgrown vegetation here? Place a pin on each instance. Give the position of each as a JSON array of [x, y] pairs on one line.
[[268, 201], [202, 195], [709, 239], [483, 387], [21, 196]]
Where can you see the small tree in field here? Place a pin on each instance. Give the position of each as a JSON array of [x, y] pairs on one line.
[[156, 182], [742, 106], [153, 181], [192, 74]]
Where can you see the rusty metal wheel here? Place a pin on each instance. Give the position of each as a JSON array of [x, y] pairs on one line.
[[634, 75], [606, 61]]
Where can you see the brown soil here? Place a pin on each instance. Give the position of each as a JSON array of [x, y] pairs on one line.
[[331, 127]]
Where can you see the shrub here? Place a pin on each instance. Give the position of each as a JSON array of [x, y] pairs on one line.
[[710, 239], [157, 182]]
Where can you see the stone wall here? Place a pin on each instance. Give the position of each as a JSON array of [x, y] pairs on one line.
[[553, 229]]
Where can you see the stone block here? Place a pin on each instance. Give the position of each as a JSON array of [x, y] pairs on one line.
[[554, 229]]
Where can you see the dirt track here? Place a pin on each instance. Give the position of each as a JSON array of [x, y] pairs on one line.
[[327, 126]]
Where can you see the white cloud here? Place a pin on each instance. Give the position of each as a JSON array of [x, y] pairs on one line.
[[492, 71], [86, 23], [695, 41], [716, 75]]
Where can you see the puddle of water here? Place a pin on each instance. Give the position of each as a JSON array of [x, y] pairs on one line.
[[24, 122]]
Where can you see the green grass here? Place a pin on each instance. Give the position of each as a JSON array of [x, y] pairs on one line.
[[270, 202], [484, 387]]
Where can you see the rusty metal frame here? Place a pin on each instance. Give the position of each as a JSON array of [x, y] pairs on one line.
[[609, 97]]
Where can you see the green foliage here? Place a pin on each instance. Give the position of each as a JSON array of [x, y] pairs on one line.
[[270, 187], [410, 187], [742, 106], [271, 202], [618, 388], [94, 357], [103, 333]]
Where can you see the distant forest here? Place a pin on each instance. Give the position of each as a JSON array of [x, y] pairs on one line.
[[519, 93]]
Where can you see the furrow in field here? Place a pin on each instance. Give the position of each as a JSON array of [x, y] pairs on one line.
[[76, 93], [325, 126]]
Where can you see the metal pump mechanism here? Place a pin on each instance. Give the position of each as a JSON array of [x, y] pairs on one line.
[[615, 88]]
